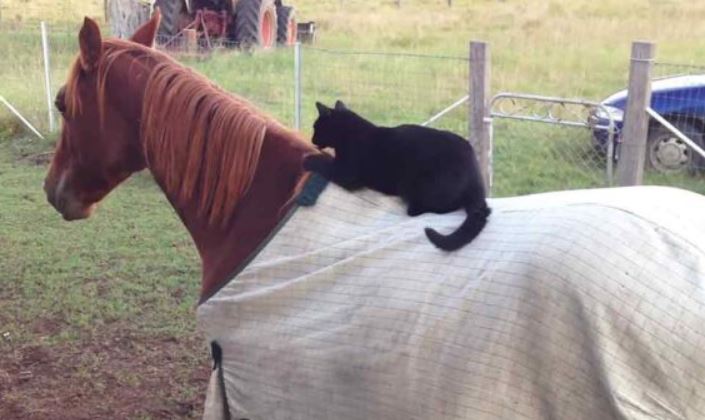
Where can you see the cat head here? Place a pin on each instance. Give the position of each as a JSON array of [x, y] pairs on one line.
[[329, 128]]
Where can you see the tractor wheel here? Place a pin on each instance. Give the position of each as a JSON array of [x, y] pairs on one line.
[[286, 25], [256, 23], [172, 17]]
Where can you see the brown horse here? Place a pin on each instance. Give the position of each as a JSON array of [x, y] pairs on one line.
[[578, 305], [127, 107]]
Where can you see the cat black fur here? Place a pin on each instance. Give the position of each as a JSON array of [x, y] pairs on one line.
[[431, 170]]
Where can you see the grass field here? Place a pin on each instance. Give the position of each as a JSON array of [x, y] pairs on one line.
[[97, 317]]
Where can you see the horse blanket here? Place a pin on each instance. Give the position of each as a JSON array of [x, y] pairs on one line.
[[569, 305]]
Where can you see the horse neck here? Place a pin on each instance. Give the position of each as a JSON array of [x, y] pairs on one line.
[[224, 249], [278, 174]]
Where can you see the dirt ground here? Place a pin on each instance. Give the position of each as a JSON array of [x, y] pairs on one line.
[[114, 374]]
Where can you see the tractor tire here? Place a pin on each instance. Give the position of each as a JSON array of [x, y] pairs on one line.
[[286, 26], [256, 23], [171, 11]]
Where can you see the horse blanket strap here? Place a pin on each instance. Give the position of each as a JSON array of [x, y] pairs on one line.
[[216, 405], [315, 185], [577, 305]]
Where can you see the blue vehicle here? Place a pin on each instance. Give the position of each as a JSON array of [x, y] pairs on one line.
[[681, 101]]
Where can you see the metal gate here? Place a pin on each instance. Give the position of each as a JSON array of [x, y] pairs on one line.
[[541, 143]]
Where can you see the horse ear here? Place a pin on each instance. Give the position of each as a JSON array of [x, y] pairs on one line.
[[340, 106], [146, 33], [323, 111], [90, 43]]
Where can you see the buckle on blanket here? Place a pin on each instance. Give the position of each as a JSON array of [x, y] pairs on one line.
[[315, 185]]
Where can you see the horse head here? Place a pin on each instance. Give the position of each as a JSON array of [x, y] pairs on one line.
[[99, 146]]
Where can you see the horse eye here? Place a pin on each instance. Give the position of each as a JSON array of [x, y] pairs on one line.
[[60, 102], [60, 106]]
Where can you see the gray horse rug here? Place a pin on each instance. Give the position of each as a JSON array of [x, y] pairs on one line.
[[570, 305]]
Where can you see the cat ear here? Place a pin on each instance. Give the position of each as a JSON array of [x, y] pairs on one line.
[[340, 106], [323, 111]]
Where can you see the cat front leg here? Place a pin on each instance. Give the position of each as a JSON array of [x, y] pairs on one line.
[[333, 170], [346, 179], [320, 163]]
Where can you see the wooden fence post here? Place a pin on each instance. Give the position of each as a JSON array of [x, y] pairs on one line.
[[191, 44], [632, 152], [480, 123]]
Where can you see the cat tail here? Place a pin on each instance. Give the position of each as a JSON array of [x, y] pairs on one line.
[[471, 227]]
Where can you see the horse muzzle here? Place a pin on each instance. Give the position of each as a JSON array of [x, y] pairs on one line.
[[65, 202]]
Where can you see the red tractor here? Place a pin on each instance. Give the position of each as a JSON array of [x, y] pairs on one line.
[[242, 23]]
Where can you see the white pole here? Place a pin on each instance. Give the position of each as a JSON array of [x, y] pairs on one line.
[[23, 119], [480, 106], [297, 85], [47, 81], [690, 143], [446, 110]]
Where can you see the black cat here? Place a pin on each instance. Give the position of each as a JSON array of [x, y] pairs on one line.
[[431, 170]]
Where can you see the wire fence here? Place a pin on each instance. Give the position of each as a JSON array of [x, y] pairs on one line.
[[22, 81], [677, 96], [266, 78], [387, 88], [546, 153]]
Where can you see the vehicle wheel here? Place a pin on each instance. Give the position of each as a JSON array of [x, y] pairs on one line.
[[172, 16], [667, 153], [286, 25], [256, 23]]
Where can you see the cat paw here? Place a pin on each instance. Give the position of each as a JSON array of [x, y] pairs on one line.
[[309, 162], [315, 163]]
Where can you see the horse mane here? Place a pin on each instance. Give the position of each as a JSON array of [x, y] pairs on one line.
[[203, 142]]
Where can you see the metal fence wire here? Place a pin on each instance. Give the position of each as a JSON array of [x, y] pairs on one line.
[[676, 125], [387, 88], [22, 83], [678, 96], [553, 146], [266, 78]]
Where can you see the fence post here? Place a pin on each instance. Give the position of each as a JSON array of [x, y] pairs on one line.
[[191, 37], [47, 78], [632, 152], [480, 122], [297, 85]]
